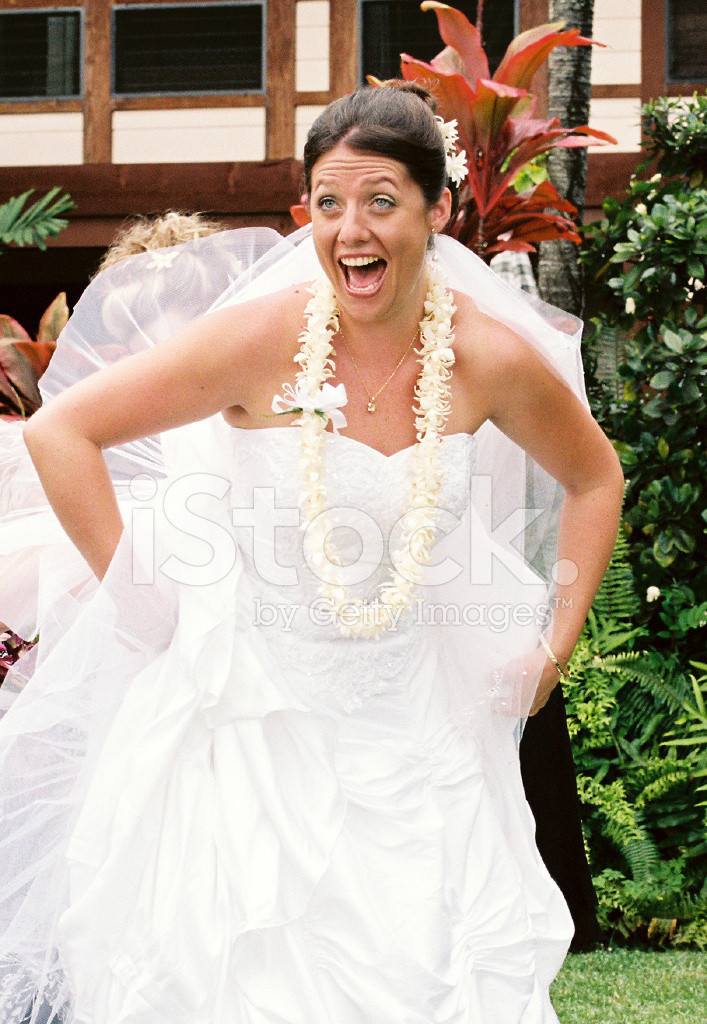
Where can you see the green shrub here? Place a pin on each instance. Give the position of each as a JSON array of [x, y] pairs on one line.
[[646, 278]]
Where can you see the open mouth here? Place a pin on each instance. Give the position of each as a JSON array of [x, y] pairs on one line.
[[363, 274]]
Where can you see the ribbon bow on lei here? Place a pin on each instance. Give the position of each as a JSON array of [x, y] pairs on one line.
[[326, 402]]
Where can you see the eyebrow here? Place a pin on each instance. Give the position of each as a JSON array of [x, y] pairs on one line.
[[384, 179]]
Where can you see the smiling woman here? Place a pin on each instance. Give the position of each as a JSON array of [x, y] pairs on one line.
[[281, 781]]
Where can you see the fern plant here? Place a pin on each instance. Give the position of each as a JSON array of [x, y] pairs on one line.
[[617, 598], [690, 734], [639, 731]]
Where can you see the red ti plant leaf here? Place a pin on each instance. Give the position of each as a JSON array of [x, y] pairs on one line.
[[497, 128], [300, 215], [530, 49], [53, 320], [37, 353], [18, 380], [9, 328], [516, 221], [23, 361], [461, 36]]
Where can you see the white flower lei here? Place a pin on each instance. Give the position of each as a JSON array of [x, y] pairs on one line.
[[432, 408]]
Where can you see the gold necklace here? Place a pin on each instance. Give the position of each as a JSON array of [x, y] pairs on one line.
[[372, 398], [356, 617]]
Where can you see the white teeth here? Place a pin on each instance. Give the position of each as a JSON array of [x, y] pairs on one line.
[[358, 261]]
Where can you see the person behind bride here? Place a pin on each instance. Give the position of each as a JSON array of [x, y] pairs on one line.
[[20, 490], [314, 814]]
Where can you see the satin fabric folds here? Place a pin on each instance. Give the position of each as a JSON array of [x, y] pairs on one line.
[[216, 809]]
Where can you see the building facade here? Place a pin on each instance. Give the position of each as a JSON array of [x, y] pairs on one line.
[[135, 106]]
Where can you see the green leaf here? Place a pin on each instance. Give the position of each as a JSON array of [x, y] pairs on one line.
[[690, 391], [673, 341], [695, 267], [663, 448], [19, 226], [10, 211], [628, 456], [662, 380], [657, 408], [683, 541]]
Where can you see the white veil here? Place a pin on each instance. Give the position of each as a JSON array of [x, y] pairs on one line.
[[49, 739]]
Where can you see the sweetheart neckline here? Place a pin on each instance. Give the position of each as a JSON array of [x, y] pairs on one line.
[[352, 440]]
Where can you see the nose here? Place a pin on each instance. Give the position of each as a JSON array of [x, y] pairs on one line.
[[352, 226]]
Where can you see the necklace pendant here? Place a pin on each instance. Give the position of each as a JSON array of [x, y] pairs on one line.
[[371, 406]]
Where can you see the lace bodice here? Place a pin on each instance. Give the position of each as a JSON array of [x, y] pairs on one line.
[[368, 496]]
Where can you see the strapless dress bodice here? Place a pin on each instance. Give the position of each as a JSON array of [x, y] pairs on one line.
[[368, 496]]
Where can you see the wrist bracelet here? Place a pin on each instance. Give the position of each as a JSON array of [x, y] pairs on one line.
[[553, 659]]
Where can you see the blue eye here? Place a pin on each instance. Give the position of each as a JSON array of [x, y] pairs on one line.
[[383, 202], [326, 203]]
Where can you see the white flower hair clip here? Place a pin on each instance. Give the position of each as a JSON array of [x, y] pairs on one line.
[[163, 260], [456, 159]]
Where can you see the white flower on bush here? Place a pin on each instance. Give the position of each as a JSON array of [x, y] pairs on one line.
[[652, 594], [642, 210], [630, 305]]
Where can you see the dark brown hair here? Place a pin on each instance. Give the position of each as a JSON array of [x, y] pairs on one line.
[[395, 120]]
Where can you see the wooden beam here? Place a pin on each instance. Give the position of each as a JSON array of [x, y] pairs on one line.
[[609, 174], [280, 95], [616, 92], [40, 106], [121, 190], [531, 14], [314, 98], [97, 110], [99, 232], [21, 5], [654, 64], [188, 102], [652, 49], [343, 46]]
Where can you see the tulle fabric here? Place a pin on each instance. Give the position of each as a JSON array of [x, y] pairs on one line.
[[183, 812]]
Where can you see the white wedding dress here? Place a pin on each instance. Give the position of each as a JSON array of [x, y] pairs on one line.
[[218, 810]]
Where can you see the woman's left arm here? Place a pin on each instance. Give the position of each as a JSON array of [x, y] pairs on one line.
[[533, 407]]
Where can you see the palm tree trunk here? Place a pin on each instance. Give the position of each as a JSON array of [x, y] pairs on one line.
[[559, 275]]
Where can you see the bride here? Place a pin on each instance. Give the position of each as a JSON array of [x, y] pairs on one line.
[[280, 783]]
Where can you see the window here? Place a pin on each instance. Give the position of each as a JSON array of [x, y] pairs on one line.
[[188, 48], [391, 28], [40, 54], [687, 41]]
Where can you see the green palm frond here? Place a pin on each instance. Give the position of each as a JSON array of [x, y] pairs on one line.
[[34, 224]]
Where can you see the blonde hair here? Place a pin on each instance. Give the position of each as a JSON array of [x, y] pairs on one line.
[[147, 233]]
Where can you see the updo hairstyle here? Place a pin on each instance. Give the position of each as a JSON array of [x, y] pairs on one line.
[[143, 234], [395, 120], [165, 302]]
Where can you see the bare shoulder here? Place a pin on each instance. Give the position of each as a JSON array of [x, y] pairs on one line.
[[259, 324], [488, 349], [511, 384]]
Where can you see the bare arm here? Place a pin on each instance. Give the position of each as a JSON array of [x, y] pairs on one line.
[[195, 374], [542, 415]]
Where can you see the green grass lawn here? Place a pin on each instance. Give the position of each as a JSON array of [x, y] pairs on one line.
[[632, 987]]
